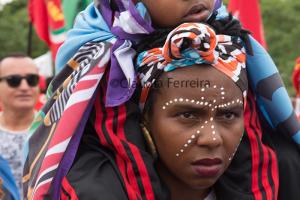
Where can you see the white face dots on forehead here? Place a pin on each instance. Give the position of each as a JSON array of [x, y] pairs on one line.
[[212, 104]]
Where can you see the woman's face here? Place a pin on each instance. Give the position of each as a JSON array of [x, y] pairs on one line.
[[196, 122], [169, 13]]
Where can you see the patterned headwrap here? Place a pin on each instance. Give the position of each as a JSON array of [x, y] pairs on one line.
[[190, 44]]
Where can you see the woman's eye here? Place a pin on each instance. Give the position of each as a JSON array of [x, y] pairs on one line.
[[229, 115], [187, 115]]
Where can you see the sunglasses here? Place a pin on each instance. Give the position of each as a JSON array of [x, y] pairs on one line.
[[14, 81]]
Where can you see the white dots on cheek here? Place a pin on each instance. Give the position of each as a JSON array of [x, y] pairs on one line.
[[235, 150], [189, 142]]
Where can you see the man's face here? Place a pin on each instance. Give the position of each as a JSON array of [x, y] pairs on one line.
[[23, 96]]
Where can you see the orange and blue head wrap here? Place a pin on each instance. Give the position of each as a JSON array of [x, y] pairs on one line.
[[190, 44]]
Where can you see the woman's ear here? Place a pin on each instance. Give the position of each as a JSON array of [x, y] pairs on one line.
[[146, 119], [150, 142]]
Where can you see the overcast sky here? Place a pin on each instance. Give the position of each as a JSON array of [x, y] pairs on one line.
[[3, 2]]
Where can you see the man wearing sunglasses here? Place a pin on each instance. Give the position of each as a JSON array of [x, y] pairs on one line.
[[18, 94]]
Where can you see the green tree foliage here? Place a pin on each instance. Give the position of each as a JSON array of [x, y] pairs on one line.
[[282, 29], [281, 24], [14, 27]]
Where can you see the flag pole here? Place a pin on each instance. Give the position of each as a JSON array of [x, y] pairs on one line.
[[29, 41]]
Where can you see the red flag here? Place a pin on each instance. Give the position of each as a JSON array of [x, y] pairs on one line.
[[248, 12], [48, 20]]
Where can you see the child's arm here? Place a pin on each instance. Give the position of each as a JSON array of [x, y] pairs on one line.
[[273, 99]]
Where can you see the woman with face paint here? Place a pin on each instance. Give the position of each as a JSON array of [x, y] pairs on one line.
[[90, 126], [193, 98]]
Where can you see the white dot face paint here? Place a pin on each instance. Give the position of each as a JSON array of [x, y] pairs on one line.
[[235, 150], [212, 106]]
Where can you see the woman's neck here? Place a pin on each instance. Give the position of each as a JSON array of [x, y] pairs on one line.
[[178, 189]]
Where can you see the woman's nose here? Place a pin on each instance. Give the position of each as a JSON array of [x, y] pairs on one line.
[[209, 136]]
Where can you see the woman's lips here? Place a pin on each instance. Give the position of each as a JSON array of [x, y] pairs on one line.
[[207, 168], [197, 13]]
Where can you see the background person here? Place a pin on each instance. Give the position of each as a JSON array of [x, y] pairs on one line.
[[18, 95]]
